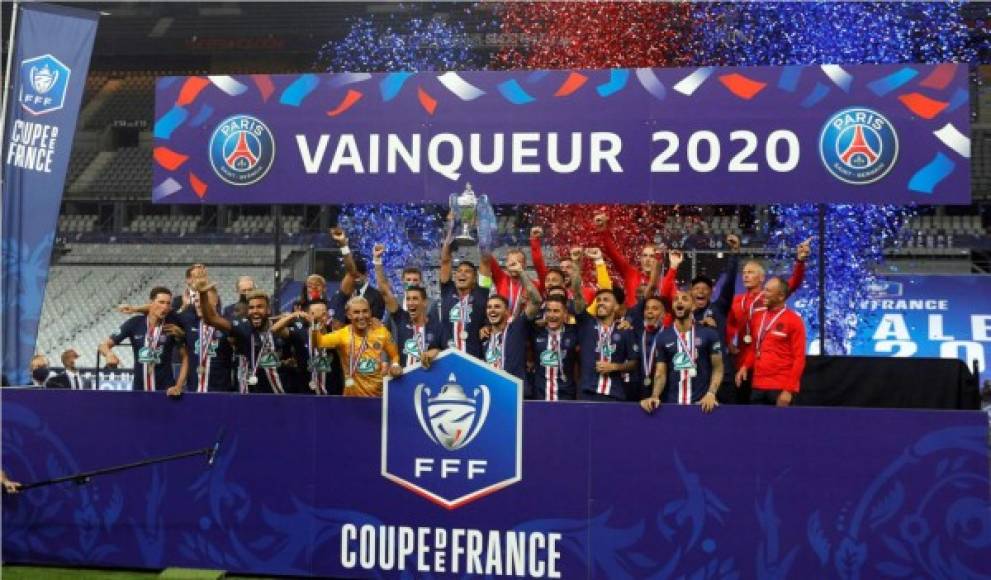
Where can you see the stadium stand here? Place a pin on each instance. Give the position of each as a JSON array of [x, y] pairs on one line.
[[127, 171], [178, 254], [77, 224], [125, 99], [247, 224], [165, 224]]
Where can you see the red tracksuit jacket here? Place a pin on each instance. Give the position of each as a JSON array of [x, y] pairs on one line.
[[780, 336]]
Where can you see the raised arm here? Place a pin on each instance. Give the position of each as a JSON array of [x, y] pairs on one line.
[[675, 258], [281, 326], [445, 251], [210, 314], [347, 283], [655, 274], [798, 271], [382, 281], [576, 280], [727, 282], [608, 245], [601, 274], [537, 253], [494, 270], [533, 297]]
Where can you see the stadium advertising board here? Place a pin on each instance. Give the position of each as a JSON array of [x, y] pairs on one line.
[[591, 490], [928, 316], [729, 135]]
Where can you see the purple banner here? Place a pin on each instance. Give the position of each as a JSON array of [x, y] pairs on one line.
[[606, 491], [714, 135]]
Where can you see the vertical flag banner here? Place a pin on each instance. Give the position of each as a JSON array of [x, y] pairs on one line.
[[48, 75]]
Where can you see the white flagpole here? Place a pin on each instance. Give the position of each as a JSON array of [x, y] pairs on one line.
[[6, 79]]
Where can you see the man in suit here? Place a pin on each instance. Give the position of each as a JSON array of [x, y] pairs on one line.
[[70, 378], [239, 307]]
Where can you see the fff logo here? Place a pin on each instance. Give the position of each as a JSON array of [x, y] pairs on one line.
[[453, 433], [44, 83]]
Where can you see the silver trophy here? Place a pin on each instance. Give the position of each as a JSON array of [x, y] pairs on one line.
[[464, 206]]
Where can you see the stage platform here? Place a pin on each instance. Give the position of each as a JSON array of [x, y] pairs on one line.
[[605, 491]]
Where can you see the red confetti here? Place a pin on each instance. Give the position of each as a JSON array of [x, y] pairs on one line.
[[350, 99], [197, 184], [939, 78], [571, 84], [429, 103], [922, 105], [598, 34], [265, 86], [741, 86], [190, 90], [573, 35], [168, 158]]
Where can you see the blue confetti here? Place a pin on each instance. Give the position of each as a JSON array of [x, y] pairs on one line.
[[514, 93], [299, 90], [926, 179], [617, 80], [169, 122]]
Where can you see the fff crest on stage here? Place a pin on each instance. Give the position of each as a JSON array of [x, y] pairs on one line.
[[453, 433]]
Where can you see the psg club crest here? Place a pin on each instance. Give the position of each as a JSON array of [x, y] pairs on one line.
[[858, 146], [242, 150], [453, 433], [44, 83]]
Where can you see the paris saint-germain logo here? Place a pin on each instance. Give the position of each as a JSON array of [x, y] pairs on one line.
[[242, 150], [858, 145]]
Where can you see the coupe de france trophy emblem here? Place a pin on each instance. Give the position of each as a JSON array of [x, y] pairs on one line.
[[452, 418], [468, 209]]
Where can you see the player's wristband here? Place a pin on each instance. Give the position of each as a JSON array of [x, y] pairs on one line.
[[345, 250], [376, 262], [599, 261], [484, 281]]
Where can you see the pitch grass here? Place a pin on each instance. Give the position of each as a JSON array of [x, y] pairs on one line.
[[46, 573]]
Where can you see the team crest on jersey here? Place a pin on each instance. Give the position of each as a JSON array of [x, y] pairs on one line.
[[242, 150], [453, 433], [858, 145], [44, 84]]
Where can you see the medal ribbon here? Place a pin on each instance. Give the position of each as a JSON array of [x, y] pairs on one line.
[[762, 331], [267, 347], [152, 337], [206, 339], [497, 340], [749, 310], [551, 372], [353, 358], [317, 379], [648, 360], [418, 334], [459, 324], [605, 333], [685, 390]]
